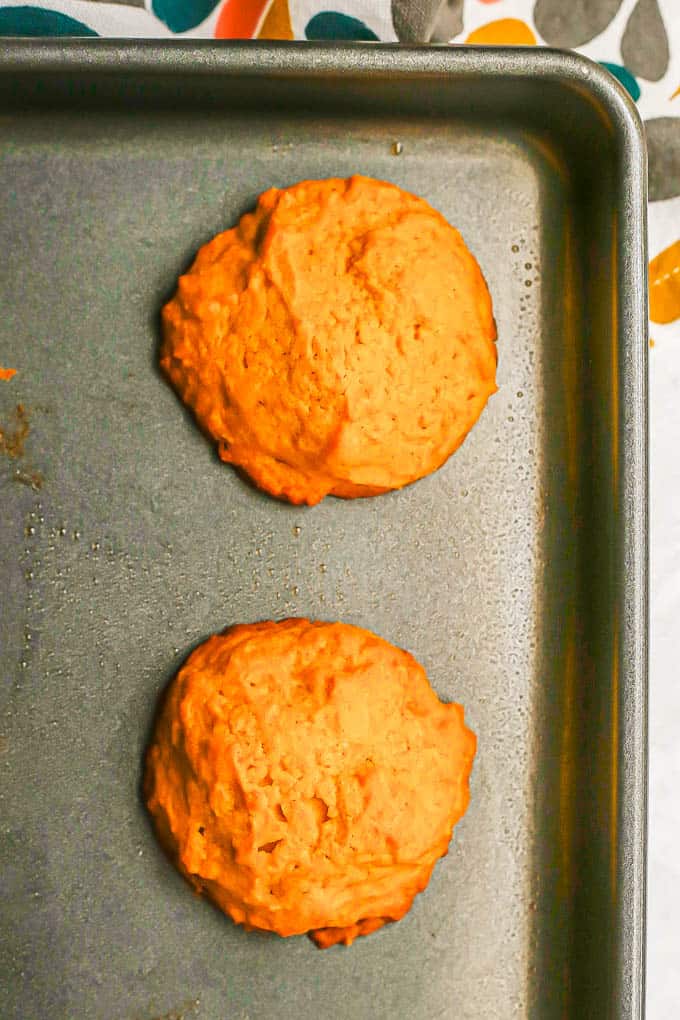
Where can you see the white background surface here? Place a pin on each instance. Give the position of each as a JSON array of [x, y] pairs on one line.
[[663, 948]]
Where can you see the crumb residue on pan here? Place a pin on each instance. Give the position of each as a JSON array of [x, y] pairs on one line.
[[182, 1013], [7, 373], [13, 436], [33, 479]]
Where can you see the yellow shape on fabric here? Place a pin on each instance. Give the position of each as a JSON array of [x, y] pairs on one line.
[[277, 24], [664, 285], [504, 32]]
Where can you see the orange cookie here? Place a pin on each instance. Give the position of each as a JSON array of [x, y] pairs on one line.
[[340, 340], [306, 777]]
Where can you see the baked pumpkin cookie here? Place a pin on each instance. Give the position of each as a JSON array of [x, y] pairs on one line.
[[340, 340], [306, 777]]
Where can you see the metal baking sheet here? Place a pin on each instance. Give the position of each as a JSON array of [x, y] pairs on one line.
[[516, 573]]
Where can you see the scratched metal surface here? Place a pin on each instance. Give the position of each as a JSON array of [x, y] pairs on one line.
[[516, 573]]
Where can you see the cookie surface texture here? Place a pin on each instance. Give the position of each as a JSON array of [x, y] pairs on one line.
[[306, 777], [340, 340]]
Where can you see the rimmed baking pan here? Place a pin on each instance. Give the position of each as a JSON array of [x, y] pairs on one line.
[[516, 573]]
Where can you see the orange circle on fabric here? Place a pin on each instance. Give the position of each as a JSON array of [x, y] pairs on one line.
[[240, 19], [504, 32]]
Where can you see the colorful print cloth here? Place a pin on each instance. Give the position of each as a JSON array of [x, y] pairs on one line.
[[639, 42]]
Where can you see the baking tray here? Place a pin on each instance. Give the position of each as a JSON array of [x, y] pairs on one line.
[[516, 573]]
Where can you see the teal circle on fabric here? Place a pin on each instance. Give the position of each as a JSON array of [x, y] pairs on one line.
[[182, 15], [331, 25], [36, 21], [625, 77]]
